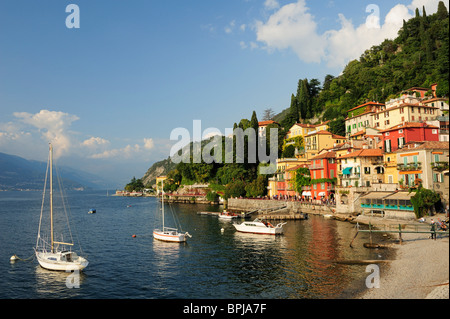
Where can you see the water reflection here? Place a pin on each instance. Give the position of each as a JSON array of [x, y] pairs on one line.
[[58, 284]]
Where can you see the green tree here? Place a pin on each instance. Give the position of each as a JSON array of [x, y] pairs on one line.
[[302, 178], [304, 100], [235, 189], [423, 200]]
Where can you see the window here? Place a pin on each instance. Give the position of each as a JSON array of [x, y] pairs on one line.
[[390, 179], [412, 118], [412, 110], [386, 114], [403, 119], [401, 130], [436, 157], [434, 131], [366, 170], [387, 146], [331, 173], [386, 122], [387, 133]]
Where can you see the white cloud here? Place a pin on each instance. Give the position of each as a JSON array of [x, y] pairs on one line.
[[94, 142], [350, 42], [148, 143], [430, 5], [292, 27], [53, 127], [127, 152], [271, 4]]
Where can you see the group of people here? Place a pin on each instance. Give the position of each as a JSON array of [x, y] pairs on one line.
[[307, 199], [438, 225]]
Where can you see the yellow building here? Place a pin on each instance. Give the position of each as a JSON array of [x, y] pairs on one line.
[[285, 176], [319, 140], [299, 129], [390, 168], [159, 183]]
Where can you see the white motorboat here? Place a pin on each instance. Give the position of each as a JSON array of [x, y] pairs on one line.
[[166, 233], [55, 255], [227, 215], [259, 226]]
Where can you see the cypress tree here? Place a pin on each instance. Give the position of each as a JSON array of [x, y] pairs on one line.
[[442, 12]]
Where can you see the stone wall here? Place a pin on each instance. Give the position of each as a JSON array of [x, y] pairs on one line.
[[292, 207]]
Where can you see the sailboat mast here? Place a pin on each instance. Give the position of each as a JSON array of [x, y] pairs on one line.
[[162, 201], [51, 194]]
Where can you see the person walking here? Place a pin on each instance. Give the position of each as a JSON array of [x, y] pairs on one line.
[[433, 230]]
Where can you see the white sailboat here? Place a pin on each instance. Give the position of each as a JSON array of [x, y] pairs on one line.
[[166, 233], [56, 255]]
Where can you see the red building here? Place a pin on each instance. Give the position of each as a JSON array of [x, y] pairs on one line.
[[323, 171], [397, 136]]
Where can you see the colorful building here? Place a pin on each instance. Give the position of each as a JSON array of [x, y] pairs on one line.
[[407, 108], [361, 168], [397, 136], [285, 176], [360, 117], [423, 162], [323, 170], [320, 140]]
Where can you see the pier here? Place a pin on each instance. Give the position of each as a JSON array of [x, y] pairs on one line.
[[398, 229]]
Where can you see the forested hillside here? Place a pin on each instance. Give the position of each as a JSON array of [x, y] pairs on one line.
[[418, 57]]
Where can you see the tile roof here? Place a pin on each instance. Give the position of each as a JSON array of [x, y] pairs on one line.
[[364, 153], [329, 154], [409, 125]]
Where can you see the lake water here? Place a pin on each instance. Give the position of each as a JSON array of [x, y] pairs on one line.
[[213, 264]]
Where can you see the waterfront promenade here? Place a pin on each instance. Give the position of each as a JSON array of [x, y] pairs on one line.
[[420, 270], [420, 265]]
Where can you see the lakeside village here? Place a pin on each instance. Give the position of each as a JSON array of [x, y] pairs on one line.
[[391, 151]]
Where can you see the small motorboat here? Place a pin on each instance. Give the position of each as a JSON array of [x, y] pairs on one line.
[[227, 215], [92, 211], [259, 226]]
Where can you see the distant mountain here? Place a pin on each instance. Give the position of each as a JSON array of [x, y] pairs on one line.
[[17, 173]]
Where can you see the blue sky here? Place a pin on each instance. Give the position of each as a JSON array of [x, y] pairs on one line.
[[109, 93]]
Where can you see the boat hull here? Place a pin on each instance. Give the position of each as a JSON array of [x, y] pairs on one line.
[[52, 261], [264, 230], [169, 236]]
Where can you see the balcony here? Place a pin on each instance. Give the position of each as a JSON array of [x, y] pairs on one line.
[[439, 166], [410, 166], [350, 176]]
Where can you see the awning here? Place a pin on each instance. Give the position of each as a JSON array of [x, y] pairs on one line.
[[305, 193], [321, 194], [376, 195], [347, 170], [401, 196]]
